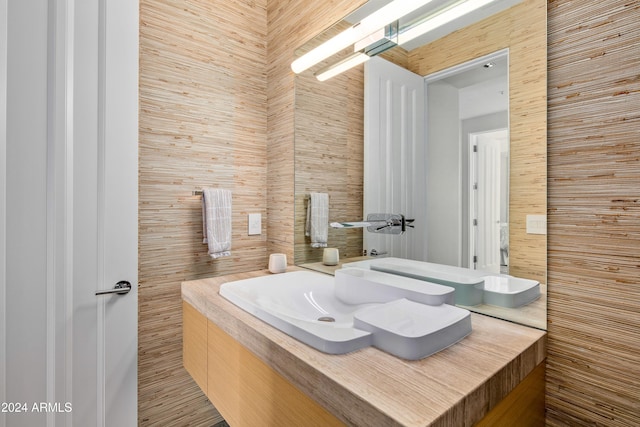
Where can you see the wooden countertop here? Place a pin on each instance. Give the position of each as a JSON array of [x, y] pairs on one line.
[[368, 387]]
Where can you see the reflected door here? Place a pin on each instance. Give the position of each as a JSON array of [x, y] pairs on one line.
[[394, 156], [486, 199]]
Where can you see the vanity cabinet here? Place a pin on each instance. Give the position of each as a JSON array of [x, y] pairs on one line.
[[244, 389], [256, 375]]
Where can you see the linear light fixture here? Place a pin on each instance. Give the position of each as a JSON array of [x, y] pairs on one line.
[[342, 66], [378, 19], [441, 18], [422, 26], [372, 45]]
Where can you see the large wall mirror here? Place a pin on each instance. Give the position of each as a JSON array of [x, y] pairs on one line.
[[448, 129]]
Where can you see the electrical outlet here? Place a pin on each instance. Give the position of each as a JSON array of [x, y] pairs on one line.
[[536, 224], [255, 224]]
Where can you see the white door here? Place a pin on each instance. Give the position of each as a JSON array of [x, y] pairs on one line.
[[486, 199], [68, 211], [395, 156]]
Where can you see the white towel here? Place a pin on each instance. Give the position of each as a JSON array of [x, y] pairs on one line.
[[318, 220], [216, 221]]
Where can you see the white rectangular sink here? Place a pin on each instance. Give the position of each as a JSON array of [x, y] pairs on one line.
[[411, 330], [303, 304]]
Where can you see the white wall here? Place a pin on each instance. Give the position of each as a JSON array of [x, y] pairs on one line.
[[443, 175], [25, 147]]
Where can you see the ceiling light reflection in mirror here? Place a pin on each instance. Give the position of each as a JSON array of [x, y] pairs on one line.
[[382, 30], [367, 26]]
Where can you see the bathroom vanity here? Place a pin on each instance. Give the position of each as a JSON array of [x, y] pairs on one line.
[[255, 374]]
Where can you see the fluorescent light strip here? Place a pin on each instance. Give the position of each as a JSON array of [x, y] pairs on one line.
[[441, 19], [434, 21], [378, 19], [342, 66]]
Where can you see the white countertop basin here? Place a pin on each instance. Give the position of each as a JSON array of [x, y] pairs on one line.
[[413, 331], [303, 304]]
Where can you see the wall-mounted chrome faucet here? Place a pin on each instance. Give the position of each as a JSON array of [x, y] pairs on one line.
[[380, 223], [389, 223], [374, 252]]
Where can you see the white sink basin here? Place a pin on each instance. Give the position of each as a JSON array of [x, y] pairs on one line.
[[303, 305], [411, 330], [472, 287]]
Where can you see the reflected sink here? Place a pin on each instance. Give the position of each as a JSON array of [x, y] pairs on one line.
[[508, 291], [303, 304], [358, 285], [468, 284], [472, 287]]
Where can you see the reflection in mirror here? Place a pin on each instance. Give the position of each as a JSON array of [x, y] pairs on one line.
[[468, 165], [331, 155], [446, 165]]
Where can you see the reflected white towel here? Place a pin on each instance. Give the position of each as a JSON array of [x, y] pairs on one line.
[[317, 226], [216, 221]]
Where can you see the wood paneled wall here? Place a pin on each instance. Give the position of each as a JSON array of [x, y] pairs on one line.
[[593, 367], [203, 123], [522, 29]]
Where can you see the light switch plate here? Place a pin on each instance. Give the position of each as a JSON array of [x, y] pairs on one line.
[[536, 224], [255, 224]]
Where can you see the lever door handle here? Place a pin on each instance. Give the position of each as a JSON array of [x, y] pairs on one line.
[[122, 287]]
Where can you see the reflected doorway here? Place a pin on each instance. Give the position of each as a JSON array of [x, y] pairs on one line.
[[488, 220], [467, 191]]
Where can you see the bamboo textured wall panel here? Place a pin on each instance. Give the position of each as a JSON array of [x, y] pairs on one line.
[[593, 367], [522, 29], [203, 123], [291, 23], [329, 125], [329, 148]]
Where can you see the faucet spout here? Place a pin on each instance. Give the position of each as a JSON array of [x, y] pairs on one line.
[[376, 253]]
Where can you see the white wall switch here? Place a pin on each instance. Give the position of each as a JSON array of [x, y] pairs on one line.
[[536, 224], [255, 224]]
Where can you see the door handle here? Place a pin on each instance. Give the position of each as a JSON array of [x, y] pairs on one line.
[[122, 288]]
